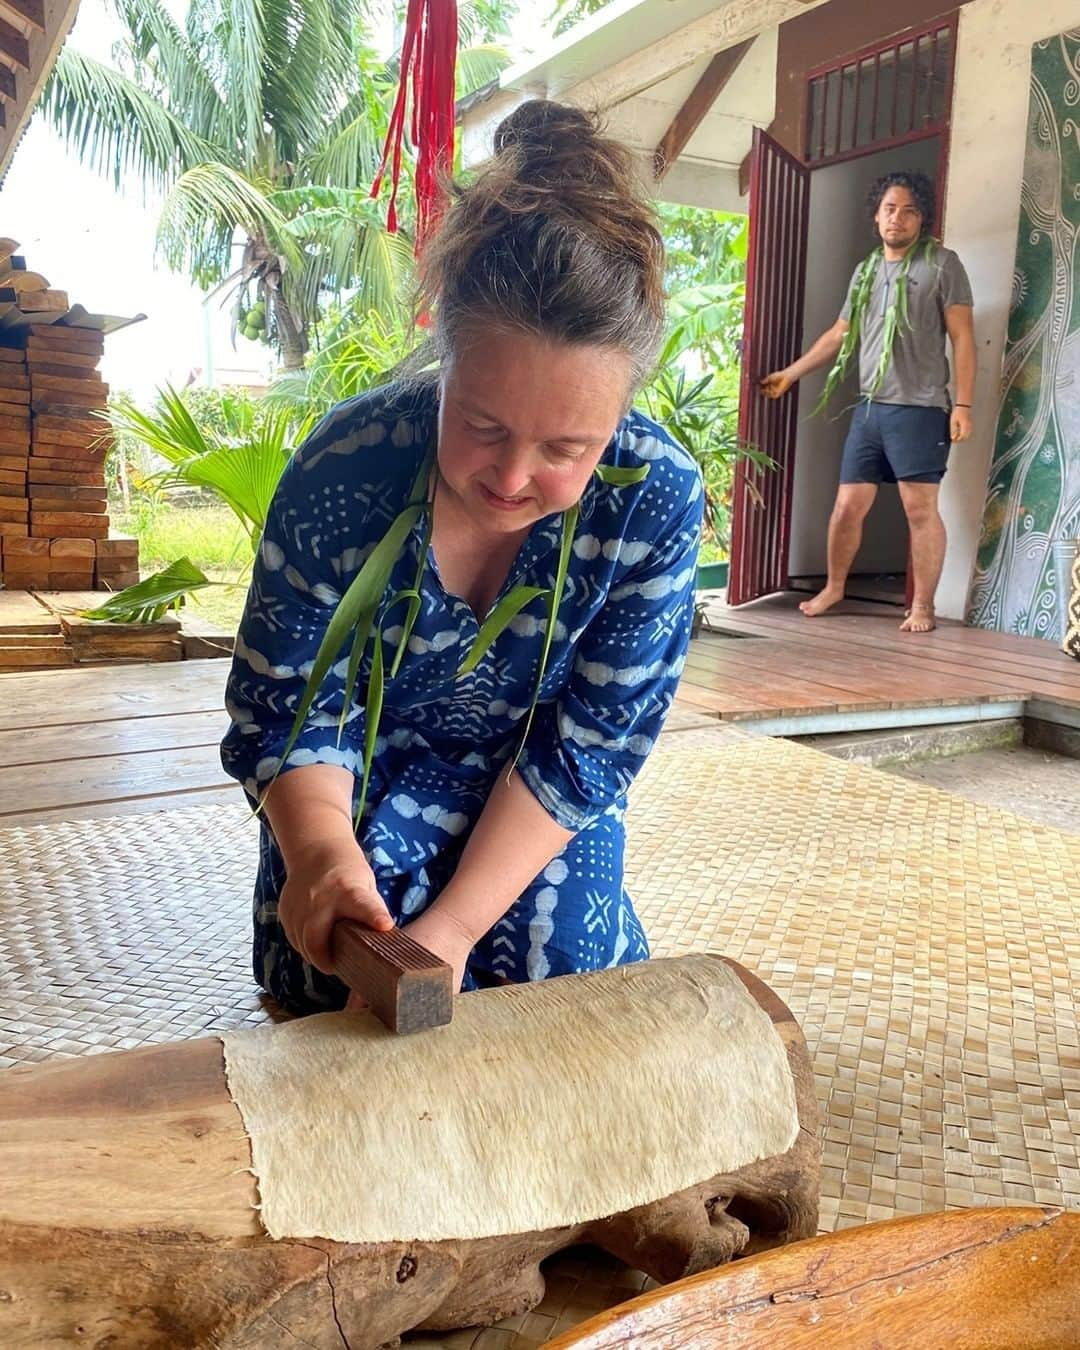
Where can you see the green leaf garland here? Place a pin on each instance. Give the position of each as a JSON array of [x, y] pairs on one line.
[[897, 319], [357, 610]]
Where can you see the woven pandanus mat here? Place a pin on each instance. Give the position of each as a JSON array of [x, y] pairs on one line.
[[126, 931], [928, 945]]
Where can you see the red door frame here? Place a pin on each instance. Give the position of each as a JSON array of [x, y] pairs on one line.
[[772, 335], [741, 588]]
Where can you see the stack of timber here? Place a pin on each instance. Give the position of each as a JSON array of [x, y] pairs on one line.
[[92, 642], [31, 637], [54, 523], [68, 440], [24, 295], [116, 562]]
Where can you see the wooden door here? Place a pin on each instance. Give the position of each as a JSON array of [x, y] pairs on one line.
[[772, 335]]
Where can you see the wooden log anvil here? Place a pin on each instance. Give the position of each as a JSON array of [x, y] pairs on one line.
[[128, 1217]]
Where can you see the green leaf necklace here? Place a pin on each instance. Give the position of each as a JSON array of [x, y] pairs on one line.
[[357, 610], [897, 318]]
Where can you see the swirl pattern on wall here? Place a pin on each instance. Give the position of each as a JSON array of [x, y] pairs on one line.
[[1033, 496]]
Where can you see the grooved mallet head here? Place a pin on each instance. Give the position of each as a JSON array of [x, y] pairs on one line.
[[403, 984]]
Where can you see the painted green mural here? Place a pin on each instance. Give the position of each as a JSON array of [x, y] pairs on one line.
[[1033, 499]]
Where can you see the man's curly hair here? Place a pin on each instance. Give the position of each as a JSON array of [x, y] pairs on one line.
[[920, 187]]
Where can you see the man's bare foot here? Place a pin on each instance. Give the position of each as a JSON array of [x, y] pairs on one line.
[[920, 619], [821, 602]]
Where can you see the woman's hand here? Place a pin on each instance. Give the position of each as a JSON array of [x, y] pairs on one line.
[[445, 937], [328, 882]]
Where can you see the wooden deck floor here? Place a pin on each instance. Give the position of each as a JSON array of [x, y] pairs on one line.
[[112, 740], [767, 660]]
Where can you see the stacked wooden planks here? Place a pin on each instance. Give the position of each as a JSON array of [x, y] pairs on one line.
[[116, 563], [25, 293], [68, 439], [14, 444], [31, 637], [54, 524], [92, 642]]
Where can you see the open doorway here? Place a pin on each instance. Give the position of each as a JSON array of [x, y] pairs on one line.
[[839, 237], [885, 107]]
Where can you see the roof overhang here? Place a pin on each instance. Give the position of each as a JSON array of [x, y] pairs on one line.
[[637, 62], [31, 35]]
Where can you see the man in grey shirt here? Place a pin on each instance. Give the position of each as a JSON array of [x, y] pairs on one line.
[[906, 419]]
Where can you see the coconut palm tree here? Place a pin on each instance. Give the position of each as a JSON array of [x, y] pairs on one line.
[[261, 122]]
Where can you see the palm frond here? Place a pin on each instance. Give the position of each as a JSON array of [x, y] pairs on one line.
[[153, 597], [155, 37], [214, 200], [479, 65], [116, 127], [482, 20], [311, 68], [173, 433], [348, 151], [244, 49], [345, 237], [245, 477]]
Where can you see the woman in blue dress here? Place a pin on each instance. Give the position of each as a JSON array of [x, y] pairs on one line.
[[496, 840]]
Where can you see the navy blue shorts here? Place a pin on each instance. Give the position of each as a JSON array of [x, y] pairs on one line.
[[896, 442]]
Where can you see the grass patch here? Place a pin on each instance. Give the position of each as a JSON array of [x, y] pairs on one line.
[[211, 536], [214, 540], [219, 605]]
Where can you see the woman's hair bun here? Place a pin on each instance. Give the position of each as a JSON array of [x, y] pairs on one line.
[[540, 125], [554, 235]]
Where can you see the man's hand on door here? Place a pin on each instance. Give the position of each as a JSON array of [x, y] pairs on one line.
[[777, 384]]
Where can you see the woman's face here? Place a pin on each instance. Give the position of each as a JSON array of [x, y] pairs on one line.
[[523, 422]]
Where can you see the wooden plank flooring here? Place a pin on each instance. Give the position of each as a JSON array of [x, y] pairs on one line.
[[113, 740], [855, 658]]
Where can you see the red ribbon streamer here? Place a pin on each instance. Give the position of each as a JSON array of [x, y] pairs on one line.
[[428, 57]]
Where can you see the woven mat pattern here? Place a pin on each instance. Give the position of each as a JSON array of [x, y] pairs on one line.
[[126, 931], [928, 945]]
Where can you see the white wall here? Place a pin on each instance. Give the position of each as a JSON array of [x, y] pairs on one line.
[[989, 127]]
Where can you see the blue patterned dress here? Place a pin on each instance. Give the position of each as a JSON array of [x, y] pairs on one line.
[[618, 650]]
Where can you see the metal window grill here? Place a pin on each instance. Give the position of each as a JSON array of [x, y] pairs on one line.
[[882, 96]]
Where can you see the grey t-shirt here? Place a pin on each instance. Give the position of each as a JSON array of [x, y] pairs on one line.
[[918, 372]]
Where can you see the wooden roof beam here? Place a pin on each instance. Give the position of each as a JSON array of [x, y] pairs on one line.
[[30, 12], [704, 94], [14, 45], [7, 83]]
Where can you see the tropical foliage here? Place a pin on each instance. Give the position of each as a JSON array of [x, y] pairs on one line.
[[361, 350], [240, 465], [261, 123], [695, 390]]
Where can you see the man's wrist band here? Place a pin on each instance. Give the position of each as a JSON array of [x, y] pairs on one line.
[[961, 405]]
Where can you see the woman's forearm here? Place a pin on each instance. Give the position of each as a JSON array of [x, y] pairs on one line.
[[512, 842], [310, 811]]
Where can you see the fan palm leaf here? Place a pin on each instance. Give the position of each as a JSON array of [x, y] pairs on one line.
[[245, 477]]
